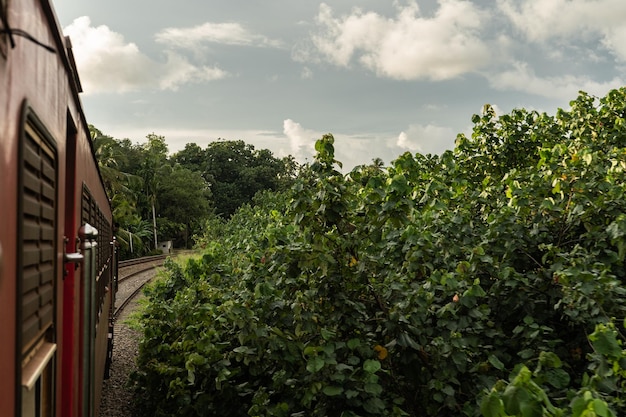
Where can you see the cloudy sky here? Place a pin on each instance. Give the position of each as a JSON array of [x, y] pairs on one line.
[[384, 77]]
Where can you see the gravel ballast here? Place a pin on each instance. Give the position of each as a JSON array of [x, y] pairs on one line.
[[117, 396]]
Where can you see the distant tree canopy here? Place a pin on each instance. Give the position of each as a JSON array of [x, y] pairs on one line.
[[236, 171], [158, 197]]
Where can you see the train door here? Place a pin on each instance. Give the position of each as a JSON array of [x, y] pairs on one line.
[[79, 290], [37, 269]]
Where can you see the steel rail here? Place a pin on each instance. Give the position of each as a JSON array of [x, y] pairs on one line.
[[128, 299]]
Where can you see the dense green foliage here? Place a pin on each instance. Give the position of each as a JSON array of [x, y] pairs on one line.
[[416, 289], [158, 197], [236, 171]]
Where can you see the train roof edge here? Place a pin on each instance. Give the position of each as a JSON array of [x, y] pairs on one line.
[[64, 43]]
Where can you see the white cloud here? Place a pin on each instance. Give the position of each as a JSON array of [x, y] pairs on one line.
[[435, 107], [541, 20], [426, 139], [179, 71], [223, 33], [565, 87], [107, 63], [350, 149], [409, 46], [614, 39], [306, 73], [301, 141]]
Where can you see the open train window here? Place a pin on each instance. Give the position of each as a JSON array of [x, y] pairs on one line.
[[37, 270]]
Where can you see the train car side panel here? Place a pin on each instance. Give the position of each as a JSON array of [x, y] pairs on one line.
[[95, 211], [31, 169], [42, 182], [8, 232]]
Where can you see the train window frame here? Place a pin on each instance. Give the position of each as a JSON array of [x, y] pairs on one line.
[[36, 351], [38, 382]]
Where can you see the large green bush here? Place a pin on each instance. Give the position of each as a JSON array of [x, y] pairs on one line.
[[416, 289]]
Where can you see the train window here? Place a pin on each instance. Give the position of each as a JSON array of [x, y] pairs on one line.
[[37, 268], [37, 383]]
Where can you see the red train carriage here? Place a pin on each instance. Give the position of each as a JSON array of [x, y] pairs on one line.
[[57, 258]]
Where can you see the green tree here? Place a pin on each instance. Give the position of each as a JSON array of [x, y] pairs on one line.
[[184, 200], [192, 157], [153, 168], [236, 172], [110, 158], [122, 188]]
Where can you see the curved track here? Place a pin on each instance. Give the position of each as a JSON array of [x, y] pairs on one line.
[[132, 267], [133, 276]]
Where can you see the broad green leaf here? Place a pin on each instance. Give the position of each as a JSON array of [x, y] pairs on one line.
[[246, 350], [550, 359], [343, 367], [518, 401], [526, 353], [605, 343], [372, 366], [327, 334], [332, 390], [353, 360], [315, 364], [531, 408], [448, 390], [578, 405], [558, 378], [460, 360], [513, 397], [601, 408], [311, 350], [492, 406], [351, 394], [407, 341], [374, 406], [495, 362], [372, 388]]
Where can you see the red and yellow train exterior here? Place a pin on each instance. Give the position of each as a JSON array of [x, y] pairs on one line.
[[57, 252]]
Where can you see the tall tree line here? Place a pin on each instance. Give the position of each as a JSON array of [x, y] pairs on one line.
[[157, 196]]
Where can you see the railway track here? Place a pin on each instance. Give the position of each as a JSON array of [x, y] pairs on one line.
[[133, 275], [132, 267]]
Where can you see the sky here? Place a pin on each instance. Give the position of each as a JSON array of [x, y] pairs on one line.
[[384, 77]]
